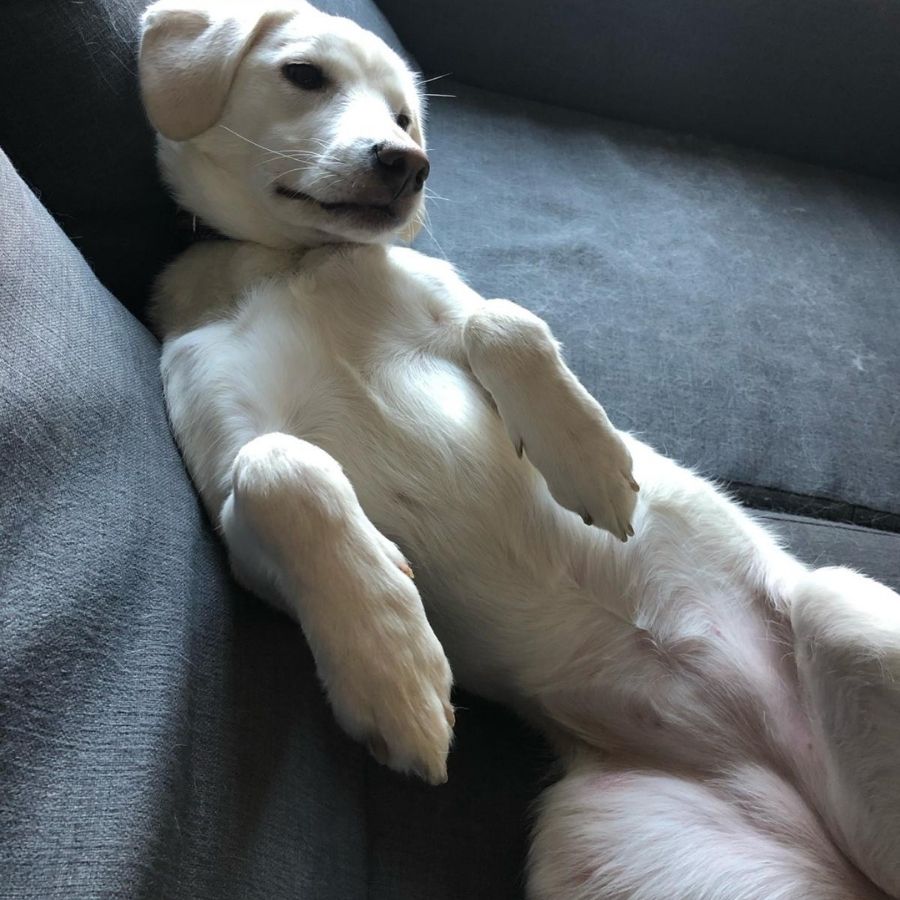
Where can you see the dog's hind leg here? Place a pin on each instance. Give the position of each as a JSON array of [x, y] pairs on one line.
[[847, 646], [612, 833], [294, 527]]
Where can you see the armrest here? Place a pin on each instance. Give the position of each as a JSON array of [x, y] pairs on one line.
[[815, 79]]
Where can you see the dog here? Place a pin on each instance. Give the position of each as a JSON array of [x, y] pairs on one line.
[[727, 719]]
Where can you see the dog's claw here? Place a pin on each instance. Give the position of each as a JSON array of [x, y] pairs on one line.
[[520, 448], [587, 519], [407, 570], [634, 485]]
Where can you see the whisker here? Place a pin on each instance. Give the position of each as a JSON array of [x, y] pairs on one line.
[[272, 157], [275, 178], [261, 147], [319, 141], [309, 156], [326, 177], [291, 154], [314, 161], [430, 195], [433, 78], [453, 96], [426, 218]]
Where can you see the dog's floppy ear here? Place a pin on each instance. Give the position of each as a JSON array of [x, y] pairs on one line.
[[189, 54]]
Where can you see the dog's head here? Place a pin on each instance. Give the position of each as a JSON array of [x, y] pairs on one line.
[[281, 124]]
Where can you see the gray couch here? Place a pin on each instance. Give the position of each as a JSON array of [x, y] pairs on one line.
[[162, 733]]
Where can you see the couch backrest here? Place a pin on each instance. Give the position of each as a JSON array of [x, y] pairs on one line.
[[814, 79]]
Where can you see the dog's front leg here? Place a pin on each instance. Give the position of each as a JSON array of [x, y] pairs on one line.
[[550, 416], [292, 521]]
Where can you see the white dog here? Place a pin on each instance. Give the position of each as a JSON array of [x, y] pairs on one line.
[[728, 719]]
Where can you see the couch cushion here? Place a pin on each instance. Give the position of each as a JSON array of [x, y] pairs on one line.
[[821, 543], [739, 311], [816, 80], [163, 734], [71, 121]]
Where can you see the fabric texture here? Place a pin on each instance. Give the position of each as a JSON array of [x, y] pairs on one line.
[[814, 79], [162, 734], [72, 123], [738, 311], [820, 543]]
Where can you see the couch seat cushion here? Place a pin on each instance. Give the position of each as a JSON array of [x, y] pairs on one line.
[[738, 311], [164, 734]]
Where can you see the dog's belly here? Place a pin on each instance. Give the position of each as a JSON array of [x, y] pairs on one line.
[[650, 647], [658, 646], [435, 470]]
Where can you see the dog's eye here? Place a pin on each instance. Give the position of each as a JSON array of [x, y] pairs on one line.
[[403, 121], [304, 75]]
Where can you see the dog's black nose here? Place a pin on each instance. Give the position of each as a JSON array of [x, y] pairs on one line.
[[403, 168]]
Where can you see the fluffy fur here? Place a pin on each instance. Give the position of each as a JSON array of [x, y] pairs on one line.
[[727, 720]]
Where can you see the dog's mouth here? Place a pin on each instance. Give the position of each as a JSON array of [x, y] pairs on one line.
[[384, 212]]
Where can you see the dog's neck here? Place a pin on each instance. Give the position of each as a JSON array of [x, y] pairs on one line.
[[223, 204]]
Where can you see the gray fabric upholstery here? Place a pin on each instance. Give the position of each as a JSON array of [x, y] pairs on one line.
[[72, 123], [739, 311], [161, 733], [820, 543], [812, 79]]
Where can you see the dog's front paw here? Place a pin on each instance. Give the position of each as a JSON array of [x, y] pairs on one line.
[[584, 461], [391, 690]]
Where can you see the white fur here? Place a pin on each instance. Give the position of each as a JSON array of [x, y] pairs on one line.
[[345, 406]]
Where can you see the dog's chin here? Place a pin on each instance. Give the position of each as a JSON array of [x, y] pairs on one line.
[[350, 219]]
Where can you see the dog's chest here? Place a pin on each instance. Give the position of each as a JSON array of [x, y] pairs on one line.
[[370, 369]]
